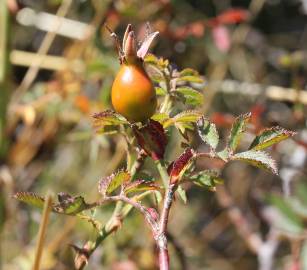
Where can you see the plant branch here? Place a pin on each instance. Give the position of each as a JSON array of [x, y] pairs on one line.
[[161, 238], [122, 198]]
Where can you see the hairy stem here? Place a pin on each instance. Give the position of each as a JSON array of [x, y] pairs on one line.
[[161, 238]]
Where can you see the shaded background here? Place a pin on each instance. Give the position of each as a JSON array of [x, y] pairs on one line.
[[243, 48]]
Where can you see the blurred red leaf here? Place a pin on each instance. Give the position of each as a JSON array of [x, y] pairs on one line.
[[230, 16]]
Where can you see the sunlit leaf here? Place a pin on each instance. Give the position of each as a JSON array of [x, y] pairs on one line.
[[160, 91], [183, 117], [160, 117], [188, 72], [182, 194], [237, 130], [270, 136], [258, 159], [30, 198], [207, 131], [193, 79], [190, 95], [207, 178], [151, 59], [224, 154], [110, 183], [108, 121], [70, 205], [139, 186]]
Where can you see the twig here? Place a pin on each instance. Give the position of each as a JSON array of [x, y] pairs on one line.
[[161, 238], [119, 213], [42, 231]]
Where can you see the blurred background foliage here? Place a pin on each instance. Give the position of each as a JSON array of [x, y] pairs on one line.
[[253, 56]]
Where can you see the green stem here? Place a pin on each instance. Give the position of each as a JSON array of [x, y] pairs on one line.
[[111, 226], [163, 172]]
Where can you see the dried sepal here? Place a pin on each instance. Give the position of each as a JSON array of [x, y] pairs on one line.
[[143, 50]]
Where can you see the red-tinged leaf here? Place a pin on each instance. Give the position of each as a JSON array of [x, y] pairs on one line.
[[110, 183], [142, 51], [232, 16], [270, 136], [258, 159], [221, 38], [140, 185], [152, 139], [181, 165]]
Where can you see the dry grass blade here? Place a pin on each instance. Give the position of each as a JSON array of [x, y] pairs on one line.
[[42, 231]]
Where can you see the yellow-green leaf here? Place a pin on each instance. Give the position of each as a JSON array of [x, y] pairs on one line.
[[270, 136]]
